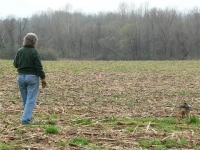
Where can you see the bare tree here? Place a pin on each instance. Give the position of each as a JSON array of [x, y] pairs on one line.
[[22, 24], [129, 40], [2, 37], [130, 33], [10, 32]]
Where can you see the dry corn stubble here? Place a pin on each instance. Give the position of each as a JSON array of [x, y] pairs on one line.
[[83, 94]]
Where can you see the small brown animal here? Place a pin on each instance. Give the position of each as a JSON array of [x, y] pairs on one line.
[[184, 111]]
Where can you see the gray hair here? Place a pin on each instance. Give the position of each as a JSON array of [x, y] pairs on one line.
[[30, 40]]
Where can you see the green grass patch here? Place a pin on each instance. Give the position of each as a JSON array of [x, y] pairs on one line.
[[83, 121], [111, 120], [61, 143], [184, 92], [131, 129], [79, 141], [183, 142], [51, 122], [197, 148], [94, 147], [36, 123], [144, 143], [155, 142], [42, 115], [19, 131], [10, 146], [15, 98], [54, 116], [194, 120], [160, 147], [131, 103], [117, 96], [167, 120], [4, 146], [146, 119], [170, 143], [166, 144], [199, 132], [51, 130]]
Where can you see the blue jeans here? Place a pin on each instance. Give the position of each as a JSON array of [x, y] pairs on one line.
[[29, 87]]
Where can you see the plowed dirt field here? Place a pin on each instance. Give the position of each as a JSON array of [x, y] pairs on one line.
[[112, 105]]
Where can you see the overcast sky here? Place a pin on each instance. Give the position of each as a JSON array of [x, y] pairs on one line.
[[25, 8]]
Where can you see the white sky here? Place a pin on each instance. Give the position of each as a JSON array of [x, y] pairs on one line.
[[25, 8]]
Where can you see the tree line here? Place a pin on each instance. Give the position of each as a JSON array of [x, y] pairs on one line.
[[128, 34]]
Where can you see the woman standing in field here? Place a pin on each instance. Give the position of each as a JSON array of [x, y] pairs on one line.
[[30, 69]]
